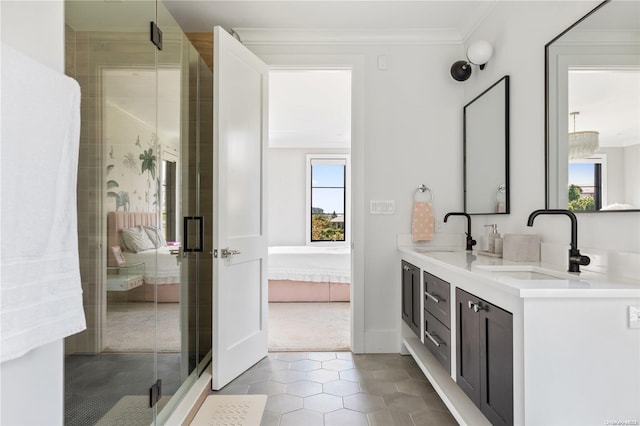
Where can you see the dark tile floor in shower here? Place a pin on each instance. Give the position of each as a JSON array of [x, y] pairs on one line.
[[95, 383]]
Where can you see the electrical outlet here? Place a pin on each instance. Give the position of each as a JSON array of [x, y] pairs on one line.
[[634, 316]]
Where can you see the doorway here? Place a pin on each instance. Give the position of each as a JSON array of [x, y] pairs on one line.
[[309, 193]]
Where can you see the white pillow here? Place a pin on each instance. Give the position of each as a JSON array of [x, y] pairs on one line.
[[156, 237], [135, 240]]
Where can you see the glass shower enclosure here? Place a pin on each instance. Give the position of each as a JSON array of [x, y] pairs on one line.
[[143, 201]]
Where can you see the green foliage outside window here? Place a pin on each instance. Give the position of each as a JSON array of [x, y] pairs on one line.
[[579, 203], [322, 229]]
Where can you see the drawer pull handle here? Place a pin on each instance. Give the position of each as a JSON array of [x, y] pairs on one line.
[[432, 297], [434, 338]]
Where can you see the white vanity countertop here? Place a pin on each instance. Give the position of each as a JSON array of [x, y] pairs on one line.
[[525, 279]]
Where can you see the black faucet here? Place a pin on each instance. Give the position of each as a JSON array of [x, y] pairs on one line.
[[470, 241], [575, 258]]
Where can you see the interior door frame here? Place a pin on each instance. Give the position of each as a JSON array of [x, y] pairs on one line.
[[356, 64]]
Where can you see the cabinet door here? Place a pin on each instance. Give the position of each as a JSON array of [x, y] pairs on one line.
[[411, 296], [496, 364], [468, 345]]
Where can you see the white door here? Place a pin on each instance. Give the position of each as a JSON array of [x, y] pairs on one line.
[[240, 276]]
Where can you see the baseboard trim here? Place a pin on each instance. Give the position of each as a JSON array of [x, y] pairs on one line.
[[382, 341]]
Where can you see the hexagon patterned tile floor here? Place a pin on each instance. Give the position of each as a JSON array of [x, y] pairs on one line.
[[342, 389]]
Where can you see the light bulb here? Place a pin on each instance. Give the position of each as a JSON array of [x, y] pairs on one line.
[[479, 52]]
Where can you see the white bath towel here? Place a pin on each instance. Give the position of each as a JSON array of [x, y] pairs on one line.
[[40, 289]]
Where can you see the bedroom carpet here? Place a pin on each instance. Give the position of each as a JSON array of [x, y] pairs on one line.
[[309, 327], [292, 327], [130, 327]]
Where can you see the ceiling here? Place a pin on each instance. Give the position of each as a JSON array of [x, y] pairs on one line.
[[456, 19], [608, 101], [136, 92], [310, 109]]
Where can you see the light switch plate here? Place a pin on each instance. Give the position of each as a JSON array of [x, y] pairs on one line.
[[382, 207], [634, 316]]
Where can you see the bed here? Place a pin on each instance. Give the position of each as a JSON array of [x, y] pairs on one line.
[[309, 274], [161, 270]]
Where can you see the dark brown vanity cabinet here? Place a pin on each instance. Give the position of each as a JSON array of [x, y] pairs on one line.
[[437, 319], [411, 296], [484, 354]]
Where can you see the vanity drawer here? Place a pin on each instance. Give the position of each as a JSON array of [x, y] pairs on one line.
[[436, 298], [437, 338]]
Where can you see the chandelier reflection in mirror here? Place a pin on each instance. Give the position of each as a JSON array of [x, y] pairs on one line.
[[582, 144]]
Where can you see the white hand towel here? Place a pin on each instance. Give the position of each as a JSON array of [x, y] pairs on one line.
[[40, 288], [422, 225]]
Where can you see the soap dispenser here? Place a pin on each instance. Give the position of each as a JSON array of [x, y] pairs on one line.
[[491, 239]]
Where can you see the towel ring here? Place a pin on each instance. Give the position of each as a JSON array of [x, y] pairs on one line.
[[421, 190]]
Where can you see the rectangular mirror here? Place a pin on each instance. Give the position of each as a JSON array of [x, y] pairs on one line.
[[486, 151], [593, 111]]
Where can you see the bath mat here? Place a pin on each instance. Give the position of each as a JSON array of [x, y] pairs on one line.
[[237, 410], [132, 410]]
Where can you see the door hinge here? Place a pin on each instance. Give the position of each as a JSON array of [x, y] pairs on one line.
[[156, 35], [155, 393]]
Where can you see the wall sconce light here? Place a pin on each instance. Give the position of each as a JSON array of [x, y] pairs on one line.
[[478, 53]]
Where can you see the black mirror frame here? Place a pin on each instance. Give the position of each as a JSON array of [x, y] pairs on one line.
[[546, 112], [506, 159]]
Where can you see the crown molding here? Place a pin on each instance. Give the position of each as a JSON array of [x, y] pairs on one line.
[[282, 36]]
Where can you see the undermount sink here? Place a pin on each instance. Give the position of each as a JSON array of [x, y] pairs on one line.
[[526, 272], [434, 250]]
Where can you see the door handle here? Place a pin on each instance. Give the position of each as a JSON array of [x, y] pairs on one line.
[[477, 307], [193, 228], [226, 252], [179, 254]]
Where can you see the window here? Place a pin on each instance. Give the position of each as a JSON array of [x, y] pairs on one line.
[[586, 184], [168, 199], [327, 198]]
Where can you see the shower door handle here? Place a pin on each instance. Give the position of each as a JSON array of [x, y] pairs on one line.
[[193, 234]]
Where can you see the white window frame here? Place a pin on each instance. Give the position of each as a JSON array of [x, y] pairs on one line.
[[347, 202]]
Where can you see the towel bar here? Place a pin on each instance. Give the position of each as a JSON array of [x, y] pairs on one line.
[[422, 189]]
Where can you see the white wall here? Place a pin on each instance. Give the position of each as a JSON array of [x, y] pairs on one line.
[[632, 174], [615, 174], [519, 32], [31, 387], [412, 124], [408, 133], [287, 193]]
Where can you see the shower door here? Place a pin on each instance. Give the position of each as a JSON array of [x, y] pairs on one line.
[[110, 367], [140, 132]]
